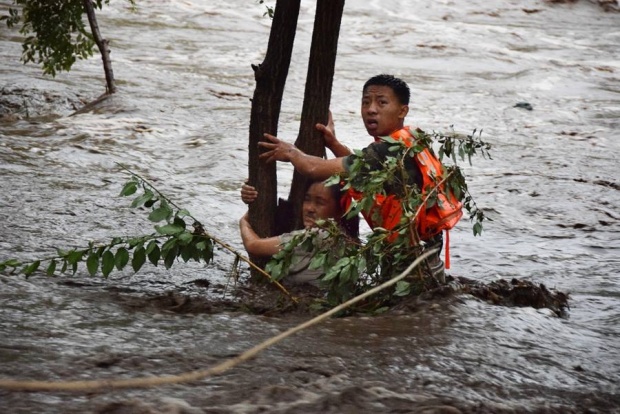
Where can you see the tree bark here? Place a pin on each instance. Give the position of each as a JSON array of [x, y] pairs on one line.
[[317, 96], [270, 79], [102, 44]]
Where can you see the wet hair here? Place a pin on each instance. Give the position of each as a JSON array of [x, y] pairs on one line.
[[399, 86], [351, 226]]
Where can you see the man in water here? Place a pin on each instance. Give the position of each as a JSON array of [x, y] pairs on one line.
[[384, 106], [320, 203]]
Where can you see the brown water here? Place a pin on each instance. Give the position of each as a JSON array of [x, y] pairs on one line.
[[181, 119]]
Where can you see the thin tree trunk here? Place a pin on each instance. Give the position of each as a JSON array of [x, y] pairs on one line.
[[102, 44], [317, 96], [270, 80]]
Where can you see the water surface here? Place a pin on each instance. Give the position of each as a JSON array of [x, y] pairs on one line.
[[181, 120]]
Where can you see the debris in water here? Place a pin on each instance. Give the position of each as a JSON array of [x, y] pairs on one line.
[[524, 105]]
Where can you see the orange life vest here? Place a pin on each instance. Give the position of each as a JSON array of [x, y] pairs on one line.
[[443, 215]]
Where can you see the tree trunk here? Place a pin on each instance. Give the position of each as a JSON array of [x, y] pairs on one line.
[[270, 79], [318, 93], [102, 44]]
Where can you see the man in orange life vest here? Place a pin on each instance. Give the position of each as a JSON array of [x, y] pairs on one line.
[[385, 104]]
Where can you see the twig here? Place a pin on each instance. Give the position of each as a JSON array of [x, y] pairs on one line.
[[198, 225]]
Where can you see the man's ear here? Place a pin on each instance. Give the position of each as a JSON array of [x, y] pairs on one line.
[[404, 110]]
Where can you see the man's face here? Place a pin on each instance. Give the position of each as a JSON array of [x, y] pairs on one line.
[[319, 203], [382, 113]]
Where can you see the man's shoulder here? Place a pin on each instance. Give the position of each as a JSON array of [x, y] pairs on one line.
[[378, 149]]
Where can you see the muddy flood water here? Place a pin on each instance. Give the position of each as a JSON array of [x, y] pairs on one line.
[[181, 119]]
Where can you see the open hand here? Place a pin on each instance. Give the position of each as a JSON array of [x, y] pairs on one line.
[[277, 150], [328, 131]]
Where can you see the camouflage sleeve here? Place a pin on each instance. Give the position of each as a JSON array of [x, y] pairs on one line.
[[372, 156], [375, 154]]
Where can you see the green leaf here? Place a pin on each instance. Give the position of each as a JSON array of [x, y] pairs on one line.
[[318, 261], [107, 263], [30, 269], [170, 256], [169, 229], [179, 222], [477, 229], [92, 264], [134, 242], [196, 254], [152, 245], [51, 268], [207, 254], [121, 258], [185, 238], [334, 179], [187, 252], [274, 268], [129, 188], [140, 200], [75, 256], [12, 263], [183, 213], [168, 245], [402, 288], [163, 212], [153, 252], [331, 274], [361, 264], [381, 310], [139, 257]]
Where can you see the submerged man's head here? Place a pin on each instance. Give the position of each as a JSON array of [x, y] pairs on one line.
[[323, 202]]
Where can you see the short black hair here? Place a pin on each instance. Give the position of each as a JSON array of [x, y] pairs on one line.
[[351, 226], [399, 86]]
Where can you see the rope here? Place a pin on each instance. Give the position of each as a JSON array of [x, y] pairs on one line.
[[107, 385]]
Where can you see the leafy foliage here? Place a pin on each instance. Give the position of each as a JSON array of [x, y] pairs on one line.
[[456, 147], [55, 33], [269, 9], [178, 235], [350, 266], [173, 238]]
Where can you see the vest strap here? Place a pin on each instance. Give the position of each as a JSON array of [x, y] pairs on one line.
[[447, 261]]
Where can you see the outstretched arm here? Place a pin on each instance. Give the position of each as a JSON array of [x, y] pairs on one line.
[[255, 245], [310, 166]]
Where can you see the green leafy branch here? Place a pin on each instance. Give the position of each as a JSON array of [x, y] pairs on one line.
[[458, 146], [454, 144], [352, 267], [178, 235], [55, 32]]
